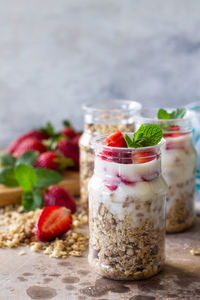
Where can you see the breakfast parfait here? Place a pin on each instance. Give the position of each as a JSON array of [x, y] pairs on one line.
[[178, 166], [127, 205], [104, 118]]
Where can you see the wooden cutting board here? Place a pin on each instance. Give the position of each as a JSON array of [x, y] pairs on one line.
[[13, 195]]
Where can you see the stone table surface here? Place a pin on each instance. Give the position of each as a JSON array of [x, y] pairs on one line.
[[36, 276]]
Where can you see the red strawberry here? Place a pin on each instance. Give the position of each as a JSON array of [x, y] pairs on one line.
[[56, 195], [143, 157], [52, 222], [76, 139], [49, 160], [69, 149], [69, 132], [34, 133], [29, 144], [116, 139]]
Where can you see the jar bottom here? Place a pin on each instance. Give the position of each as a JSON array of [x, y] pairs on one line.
[[115, 275], [174, 227]]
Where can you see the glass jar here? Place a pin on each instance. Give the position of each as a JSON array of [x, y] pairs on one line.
[[178, 169], [127, 212], [102, 118]]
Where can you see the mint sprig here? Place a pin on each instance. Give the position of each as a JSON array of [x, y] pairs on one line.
[[146, 135], [176, 114], [20, 172]]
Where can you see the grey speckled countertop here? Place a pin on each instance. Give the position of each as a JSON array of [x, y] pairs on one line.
[[55, 55], [36, 276]]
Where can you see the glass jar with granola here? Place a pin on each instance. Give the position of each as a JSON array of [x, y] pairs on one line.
[[178, 166], [102, 118], [127, 212]]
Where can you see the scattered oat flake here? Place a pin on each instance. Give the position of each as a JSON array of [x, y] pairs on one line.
[[22, 253], [17, 229], [194, 252]]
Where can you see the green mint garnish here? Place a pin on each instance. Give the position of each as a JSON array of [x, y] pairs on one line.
[[46, 177], [32, 200], [176, 114], [26, 177], [27, 158], [7, 177], [146, 135]]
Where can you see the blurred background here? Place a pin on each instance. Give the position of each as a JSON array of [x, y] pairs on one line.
[[57, 55]]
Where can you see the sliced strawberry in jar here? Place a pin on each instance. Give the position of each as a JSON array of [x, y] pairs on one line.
[[143, 157], [116, 139], [53, 221]]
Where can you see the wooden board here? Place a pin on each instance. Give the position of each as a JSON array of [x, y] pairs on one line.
[[13, 195]]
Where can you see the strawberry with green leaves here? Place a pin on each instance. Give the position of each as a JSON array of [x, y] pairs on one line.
[[53, 160], [68, 131], [69, 149]]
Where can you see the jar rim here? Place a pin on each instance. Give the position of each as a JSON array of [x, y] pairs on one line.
[[115, 105], [149, 116]]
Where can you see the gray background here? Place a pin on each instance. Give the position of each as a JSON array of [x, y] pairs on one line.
[[57, 54]]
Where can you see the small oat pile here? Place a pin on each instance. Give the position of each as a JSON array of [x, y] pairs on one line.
[[17, 229]]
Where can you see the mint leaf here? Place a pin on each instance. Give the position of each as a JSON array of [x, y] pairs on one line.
[[146, 135], [7, 177], [129, 141], [163, 114], [176, 114], [46, 177], [66, 123], [27, 158], [7, 160], [26, 177], [32, 200]]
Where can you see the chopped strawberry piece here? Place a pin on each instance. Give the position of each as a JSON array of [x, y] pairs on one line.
[[173, 134], [112, 185], [116, 139], [53, 221], [174, 128], [143, 157], [58, 196], [115, 155], [29, 144], [31, 134]]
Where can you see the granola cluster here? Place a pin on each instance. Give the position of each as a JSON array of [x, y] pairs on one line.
[[17, 229], [122, 249], [87, 152], [180, 214]]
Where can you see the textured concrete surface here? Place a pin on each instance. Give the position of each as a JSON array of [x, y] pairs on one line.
[[36, 276], [55, 55]]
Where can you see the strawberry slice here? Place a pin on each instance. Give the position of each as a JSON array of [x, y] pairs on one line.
[[116, 139], [174, 133], [52, 222], [143, 157]]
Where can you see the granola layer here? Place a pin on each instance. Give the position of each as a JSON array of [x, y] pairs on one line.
[[120, 250]]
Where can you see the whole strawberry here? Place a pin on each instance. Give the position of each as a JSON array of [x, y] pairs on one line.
[[52, 222], [49, 160], [69, 149], [29, 144], [57, 196], [68, 131], [76, 139], [31, 134]]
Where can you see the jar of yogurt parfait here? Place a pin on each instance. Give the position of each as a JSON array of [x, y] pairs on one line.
[[102, 118], [178, 169], [127, 212]]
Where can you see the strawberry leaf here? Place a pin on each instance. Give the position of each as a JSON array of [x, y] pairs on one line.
[[46, 177], [27, 158], [26, 177], [32, 200], [7, 177], [66, 123], [7, 160]]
